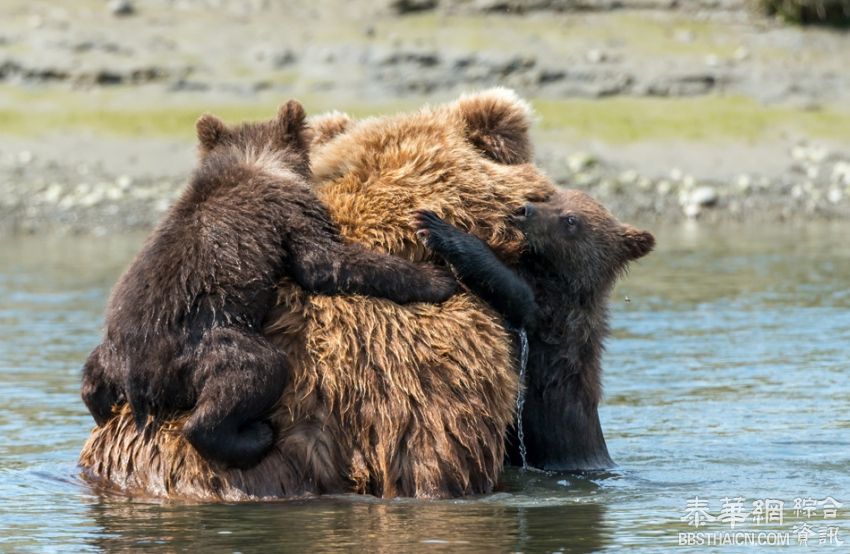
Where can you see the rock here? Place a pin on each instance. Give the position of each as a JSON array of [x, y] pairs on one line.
[[834, 196], [283, 59], [551, 76], [105, 77], [704, 196], [798, 153], [588, 83], [841, 173], [683, 85], [579, 161], [25, 157], [694, 201], [817, 154], [420, 58], [91, 199], [121, 8], [692, 211], [403, 7], [515, 64], [628, 177], [185, 85], [52, 194], [809, 154], [596, 56]]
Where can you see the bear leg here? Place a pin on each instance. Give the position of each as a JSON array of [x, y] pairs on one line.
[[479, 269], [240, 378], [101, 388], [329, 266]]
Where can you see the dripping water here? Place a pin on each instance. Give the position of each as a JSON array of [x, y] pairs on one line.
[[520, 399]]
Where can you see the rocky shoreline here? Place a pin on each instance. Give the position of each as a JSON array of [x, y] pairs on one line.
[[38, 196], [664, 110], [554, 49]]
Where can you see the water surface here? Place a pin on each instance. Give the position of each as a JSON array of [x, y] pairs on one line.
[[726, 377]]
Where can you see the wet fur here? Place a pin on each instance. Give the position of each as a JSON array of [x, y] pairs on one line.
[[184, 323], [384, 399], [559, 292]]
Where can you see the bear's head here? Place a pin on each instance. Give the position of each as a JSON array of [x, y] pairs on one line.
[[576, 238], [469, 161], [283, 140]]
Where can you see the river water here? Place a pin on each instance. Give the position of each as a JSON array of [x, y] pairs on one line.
[[727, 392]]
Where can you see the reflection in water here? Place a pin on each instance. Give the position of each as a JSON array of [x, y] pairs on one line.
[[351, 523], [726, 375]]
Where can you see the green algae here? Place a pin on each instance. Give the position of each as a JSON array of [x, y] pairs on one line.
[[705, 118], [615, 120]]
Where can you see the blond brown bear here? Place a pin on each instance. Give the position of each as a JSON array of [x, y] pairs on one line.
[[385, 399]]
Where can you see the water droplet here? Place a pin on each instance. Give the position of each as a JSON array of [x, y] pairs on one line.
[[520, 399]]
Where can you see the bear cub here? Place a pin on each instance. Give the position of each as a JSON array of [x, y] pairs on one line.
[[184, 322], [559, 293]]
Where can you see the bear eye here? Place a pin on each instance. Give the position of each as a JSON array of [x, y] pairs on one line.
[[570, 220]]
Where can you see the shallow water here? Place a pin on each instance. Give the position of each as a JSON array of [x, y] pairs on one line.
[[726, 376]]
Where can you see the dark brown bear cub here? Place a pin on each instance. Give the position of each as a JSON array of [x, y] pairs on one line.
[[183, 325], [559, 293]]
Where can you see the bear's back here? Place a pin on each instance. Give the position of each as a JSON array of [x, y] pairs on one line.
[[421, 394], [386, 399]]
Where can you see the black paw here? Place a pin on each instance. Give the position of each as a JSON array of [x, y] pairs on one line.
[[255, 441], [141, 406], [100, 399], [241, 449], [431, 230]]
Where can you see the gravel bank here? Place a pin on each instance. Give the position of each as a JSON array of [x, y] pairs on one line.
[[97, 98], [44, 196]]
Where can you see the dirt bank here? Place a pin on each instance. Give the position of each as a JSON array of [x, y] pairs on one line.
[[664, 110]]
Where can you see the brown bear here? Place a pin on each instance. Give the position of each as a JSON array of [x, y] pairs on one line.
[[559, 293], [385, 399], [183, 325]]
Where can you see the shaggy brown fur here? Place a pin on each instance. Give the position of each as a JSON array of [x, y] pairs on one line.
[[577, 249], [385, 399], [184, 321]]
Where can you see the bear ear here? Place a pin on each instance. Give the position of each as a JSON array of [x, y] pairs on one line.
[[497, 123], [291, 133], [638, 243], [211, 131], [327, 126], [292, 124]]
